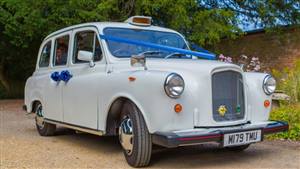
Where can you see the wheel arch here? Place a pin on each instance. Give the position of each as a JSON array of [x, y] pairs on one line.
[[33, 104], [32, 99], [114, 112]]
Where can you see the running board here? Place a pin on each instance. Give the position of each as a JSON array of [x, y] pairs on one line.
[[74, 127]]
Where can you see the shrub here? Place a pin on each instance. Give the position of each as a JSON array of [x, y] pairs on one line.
[[288, 80], [290, 114]]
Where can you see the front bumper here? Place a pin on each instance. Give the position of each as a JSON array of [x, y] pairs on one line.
[[204, 135]]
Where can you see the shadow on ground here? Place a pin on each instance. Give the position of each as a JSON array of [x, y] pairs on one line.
[[208, 155]]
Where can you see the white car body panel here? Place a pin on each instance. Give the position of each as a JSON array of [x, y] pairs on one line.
[[256, 97], [87, 98], [81, 95]]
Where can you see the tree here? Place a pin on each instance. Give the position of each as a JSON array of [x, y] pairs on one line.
[[24, 23], [260, 13]]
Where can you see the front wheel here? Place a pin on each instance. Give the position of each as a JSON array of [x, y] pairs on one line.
[[134, 136], [44, 128]]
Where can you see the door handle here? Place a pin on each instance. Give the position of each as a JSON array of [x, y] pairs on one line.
[[55, 76], [65, 75]]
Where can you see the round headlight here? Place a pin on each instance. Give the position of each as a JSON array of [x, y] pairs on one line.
[[174, 85], [269, 85]]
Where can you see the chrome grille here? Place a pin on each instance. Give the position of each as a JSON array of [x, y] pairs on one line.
[[228, 93]]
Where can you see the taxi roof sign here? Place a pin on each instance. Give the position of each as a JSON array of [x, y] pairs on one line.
[[140, 20]]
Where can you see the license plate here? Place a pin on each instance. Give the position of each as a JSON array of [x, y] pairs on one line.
[[241, 138]]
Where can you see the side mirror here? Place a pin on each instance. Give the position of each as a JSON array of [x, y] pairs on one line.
[[138, 61], [86, 56]]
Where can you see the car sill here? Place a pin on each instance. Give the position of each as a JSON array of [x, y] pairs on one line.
[[74, 127]]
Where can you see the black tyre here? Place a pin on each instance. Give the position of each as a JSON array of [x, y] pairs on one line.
[[44, 128], [134, 136], [238, 148]]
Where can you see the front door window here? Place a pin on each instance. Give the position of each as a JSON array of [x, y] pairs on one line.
[[87, 41]]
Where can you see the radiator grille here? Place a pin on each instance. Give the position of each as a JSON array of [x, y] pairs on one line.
[[228, 96]]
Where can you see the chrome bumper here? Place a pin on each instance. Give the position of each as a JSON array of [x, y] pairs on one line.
[[204, 135]]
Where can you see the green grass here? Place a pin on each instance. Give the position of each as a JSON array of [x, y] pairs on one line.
[[290, 114]]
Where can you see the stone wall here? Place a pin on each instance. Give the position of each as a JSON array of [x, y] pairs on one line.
[[275, 50]]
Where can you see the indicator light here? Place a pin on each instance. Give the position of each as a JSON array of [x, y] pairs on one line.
[[131, 79], [267, 103], [178, 108]]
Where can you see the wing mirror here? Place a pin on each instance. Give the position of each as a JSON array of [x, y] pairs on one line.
[[138, 61], [86, 56]]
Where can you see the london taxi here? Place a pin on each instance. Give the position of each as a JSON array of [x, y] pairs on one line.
[[142, 83]]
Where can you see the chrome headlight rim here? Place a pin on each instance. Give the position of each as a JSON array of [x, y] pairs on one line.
[[265, 87], [170, 77]]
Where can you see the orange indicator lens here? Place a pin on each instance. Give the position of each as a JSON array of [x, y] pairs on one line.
[[267, 103], [131, 79], [177, 108]]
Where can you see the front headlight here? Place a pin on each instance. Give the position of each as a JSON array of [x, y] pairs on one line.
[[269, 85], [174, 85]]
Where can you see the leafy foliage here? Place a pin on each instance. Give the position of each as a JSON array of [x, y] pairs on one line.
[[290, 114], [289, 81], [261, 13]]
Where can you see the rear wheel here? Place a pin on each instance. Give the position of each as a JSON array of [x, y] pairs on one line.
[[238, 148], [134, 136], [44, 128]]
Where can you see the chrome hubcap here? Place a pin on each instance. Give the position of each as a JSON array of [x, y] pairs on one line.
[[126, 135], [39, 117]]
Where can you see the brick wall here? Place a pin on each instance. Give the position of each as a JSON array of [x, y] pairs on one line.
[[275, 50]]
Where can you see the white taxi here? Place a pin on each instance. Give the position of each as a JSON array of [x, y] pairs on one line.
[[143, 83]]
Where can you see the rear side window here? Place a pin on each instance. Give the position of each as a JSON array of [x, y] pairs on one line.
[[86, 41], [45, 55], [61, 51]]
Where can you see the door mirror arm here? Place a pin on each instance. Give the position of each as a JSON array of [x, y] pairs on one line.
[[92, 63], [138, 61]]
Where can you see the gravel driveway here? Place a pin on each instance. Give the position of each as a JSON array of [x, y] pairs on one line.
[[22, 147]]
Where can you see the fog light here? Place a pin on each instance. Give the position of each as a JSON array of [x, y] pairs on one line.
[[177, 108], [267, 103]]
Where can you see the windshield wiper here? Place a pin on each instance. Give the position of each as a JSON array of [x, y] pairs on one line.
[[175, 54], [151, 53]]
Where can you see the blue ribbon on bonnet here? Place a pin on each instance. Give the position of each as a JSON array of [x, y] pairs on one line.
[[156, 46]]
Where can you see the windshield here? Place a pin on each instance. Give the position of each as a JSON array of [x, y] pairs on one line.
[[126, 50]]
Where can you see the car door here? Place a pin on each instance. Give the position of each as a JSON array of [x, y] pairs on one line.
[[81, 94], [53, 87]]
